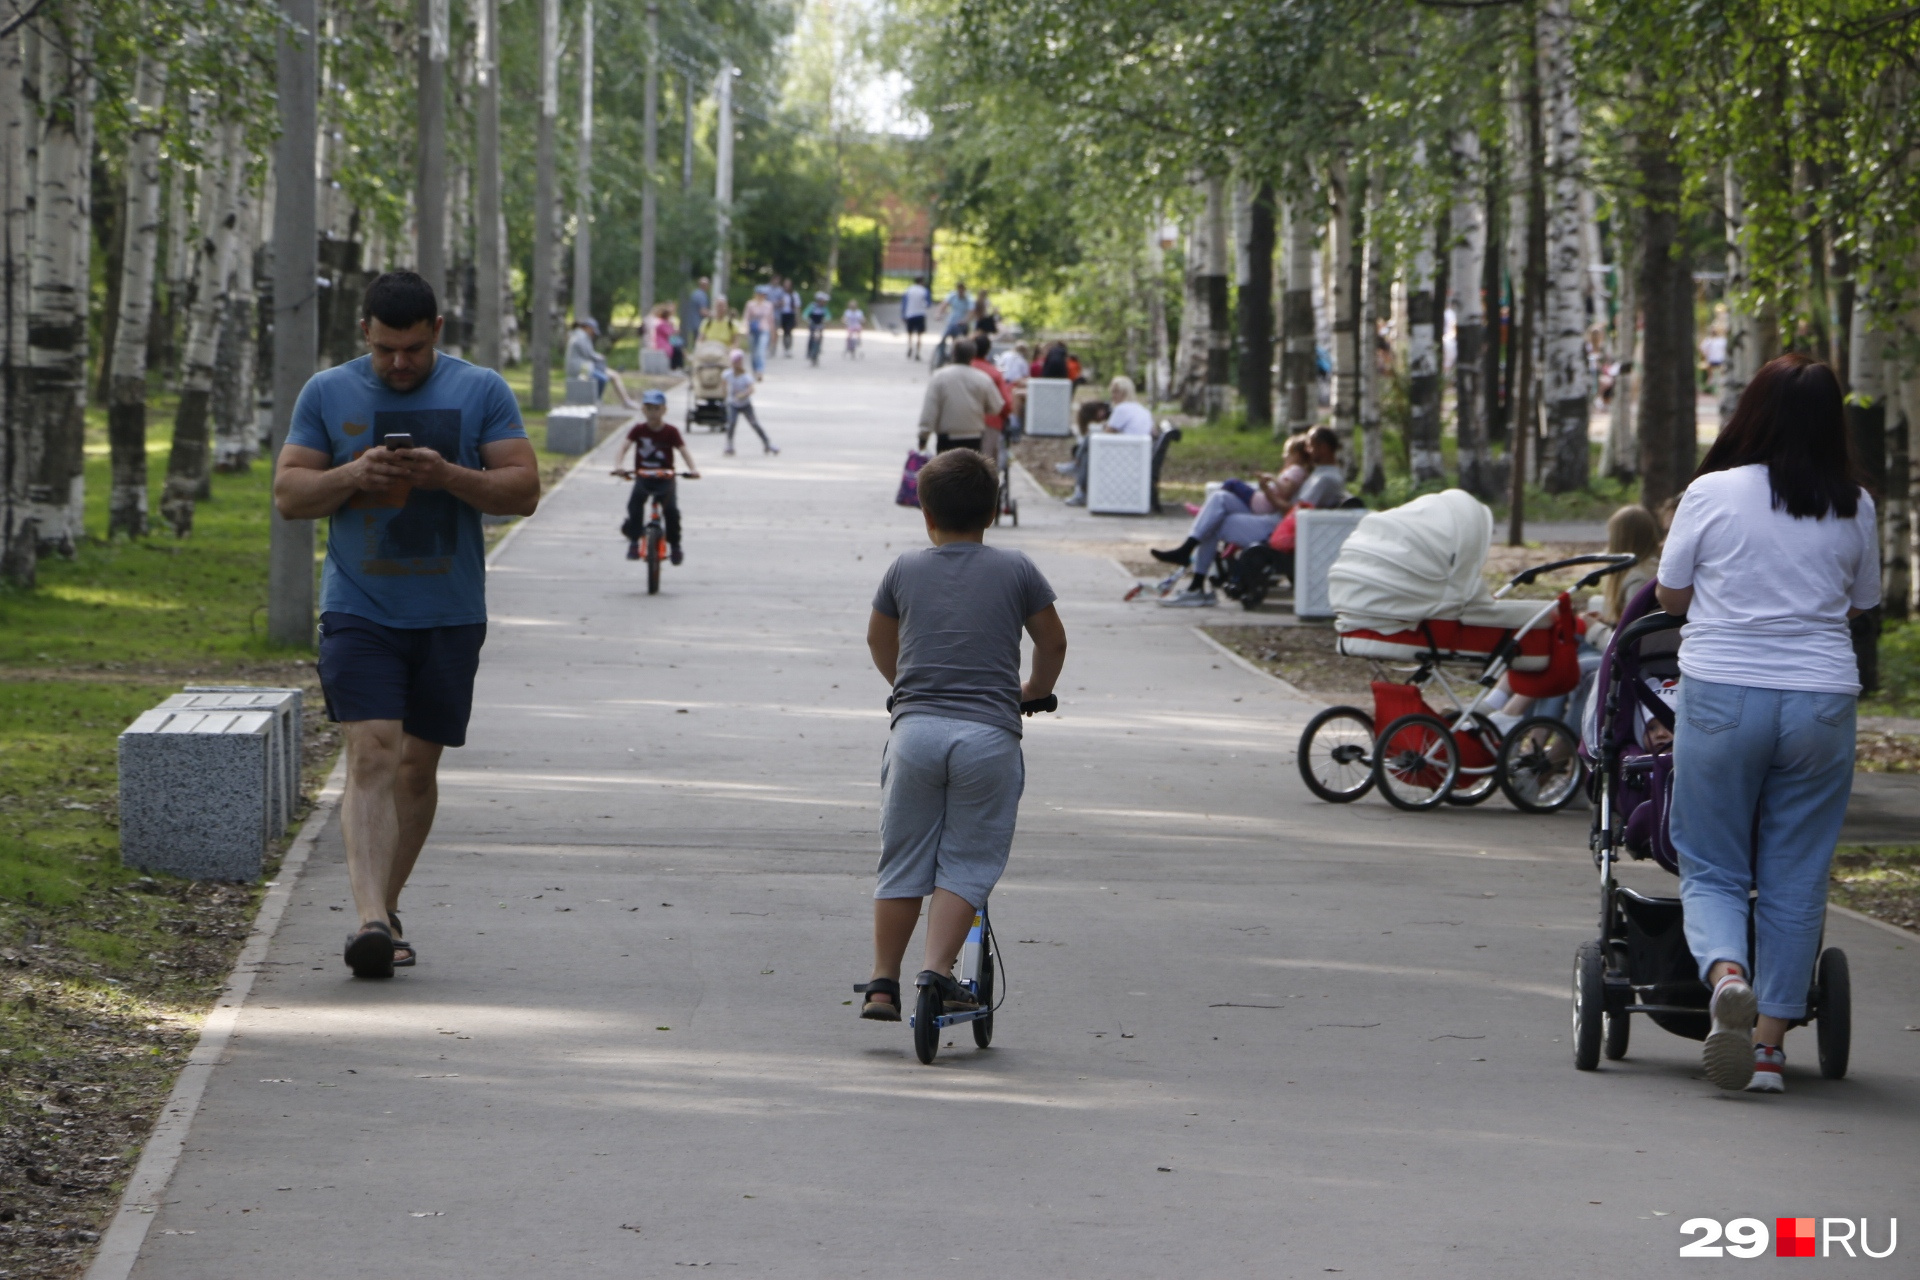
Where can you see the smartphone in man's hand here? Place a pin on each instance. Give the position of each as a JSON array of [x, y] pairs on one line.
[[398, 440]]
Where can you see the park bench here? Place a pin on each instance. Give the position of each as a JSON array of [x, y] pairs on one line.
[[208, 778]]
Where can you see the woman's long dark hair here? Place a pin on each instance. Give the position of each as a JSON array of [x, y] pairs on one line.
[[1793, 419]]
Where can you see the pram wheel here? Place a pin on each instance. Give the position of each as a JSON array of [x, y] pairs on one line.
[[1619, 1027], [1540, 765], [1589, 1005], [926, 1024], [1482, 753], [1336, 754], [1833, 1012], [983, 1027], [1416, 762]]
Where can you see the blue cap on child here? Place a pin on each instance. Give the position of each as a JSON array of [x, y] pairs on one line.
[[653, 397]]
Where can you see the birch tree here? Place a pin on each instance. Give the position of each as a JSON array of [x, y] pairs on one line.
[[1254, 272], [224, 169], [1423, 353], [1346, 284], [1470, 319], [1375, 301], [139, 258], [544, 207], [1296, 317], [19, 550], [1565, 465], [236, 439], [55, 402]]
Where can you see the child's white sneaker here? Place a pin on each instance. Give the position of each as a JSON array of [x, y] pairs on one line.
[[1769, 1069], [1728, 1052]]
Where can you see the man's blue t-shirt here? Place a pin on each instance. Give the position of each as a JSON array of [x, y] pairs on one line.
[[407, 558]]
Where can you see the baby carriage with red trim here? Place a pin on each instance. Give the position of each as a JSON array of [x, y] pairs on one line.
[[1640, 963], [1407, 589]]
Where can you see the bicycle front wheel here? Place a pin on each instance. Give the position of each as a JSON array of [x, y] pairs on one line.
[[653, 561]]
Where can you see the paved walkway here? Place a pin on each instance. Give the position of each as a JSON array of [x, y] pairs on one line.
[[1249, 1034]]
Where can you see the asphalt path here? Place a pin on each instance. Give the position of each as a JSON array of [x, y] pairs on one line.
[[1247, 1033]]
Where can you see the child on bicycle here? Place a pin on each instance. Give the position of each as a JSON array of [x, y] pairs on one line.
[[653, 441], [855, 319], [945, 632]]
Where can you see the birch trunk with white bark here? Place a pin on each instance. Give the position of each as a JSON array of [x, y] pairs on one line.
[[1296, 317], [1191, 373], [1219, 321], [1346, 307], [236, 438], [1375, 300], [489, 258], [61, 236], [1470, 316], [213, 246], [1158, 375], [1619, 456], [1566, 396], [139, 260], [545, 241], [1423, 355], [19, 550]]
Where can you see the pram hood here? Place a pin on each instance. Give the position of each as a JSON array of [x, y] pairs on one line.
[[1415, 562]]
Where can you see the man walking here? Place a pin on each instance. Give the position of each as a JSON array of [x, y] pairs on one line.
[[958, 401], [914, 305], [404, 449]]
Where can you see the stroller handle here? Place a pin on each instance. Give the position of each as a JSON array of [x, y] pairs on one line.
[[1640, 628], [1613, 564]]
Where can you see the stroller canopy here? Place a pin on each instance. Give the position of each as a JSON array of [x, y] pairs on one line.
[[1415, 562]]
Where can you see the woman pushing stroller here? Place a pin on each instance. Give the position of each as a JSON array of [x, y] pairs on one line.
[[1772, 551]]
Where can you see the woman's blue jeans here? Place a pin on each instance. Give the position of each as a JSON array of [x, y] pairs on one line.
[[1760, 785]]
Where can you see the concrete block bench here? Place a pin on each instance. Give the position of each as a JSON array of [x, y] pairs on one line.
[[287, 729], [572, 428], [196, 791]]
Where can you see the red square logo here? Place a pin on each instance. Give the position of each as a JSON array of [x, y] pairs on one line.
[[1793, 1238]]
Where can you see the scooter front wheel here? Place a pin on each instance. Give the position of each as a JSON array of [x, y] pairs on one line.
[[927, 1011]]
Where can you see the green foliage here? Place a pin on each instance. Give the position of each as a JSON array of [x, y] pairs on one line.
[[1899, 671]]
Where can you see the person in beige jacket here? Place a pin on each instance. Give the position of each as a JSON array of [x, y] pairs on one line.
[[958, 401]]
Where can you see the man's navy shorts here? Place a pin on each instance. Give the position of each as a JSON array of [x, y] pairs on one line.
[[916, 324], [420, 676]]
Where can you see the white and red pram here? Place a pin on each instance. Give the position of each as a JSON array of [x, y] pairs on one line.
[[1407, 590]]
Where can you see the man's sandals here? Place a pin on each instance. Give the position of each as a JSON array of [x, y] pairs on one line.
[[375, 951]]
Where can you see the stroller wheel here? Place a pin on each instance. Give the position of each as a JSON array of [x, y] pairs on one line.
[[1481, 751], [1833, 1017], [1619, 1027], [1336, 754], [1539, 765], [1589, 1005], [1416, 762]]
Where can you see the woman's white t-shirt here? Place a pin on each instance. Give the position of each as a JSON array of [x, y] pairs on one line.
[[1770, 592]]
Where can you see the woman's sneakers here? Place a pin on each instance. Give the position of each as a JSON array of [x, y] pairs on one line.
[[1728, 1053], [1769, 1069]]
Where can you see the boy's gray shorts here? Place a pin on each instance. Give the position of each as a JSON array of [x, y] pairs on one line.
[[949, 793]]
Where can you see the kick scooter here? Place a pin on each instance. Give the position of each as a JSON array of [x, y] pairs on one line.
[[980, 961]]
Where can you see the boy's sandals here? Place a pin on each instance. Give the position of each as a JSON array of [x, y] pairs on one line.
[[874, 1009], [370, 951], [404, 953], [954, 998]]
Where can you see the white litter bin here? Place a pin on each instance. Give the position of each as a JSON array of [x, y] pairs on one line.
[[1318, 536], [1119, 474], [1049, 407]]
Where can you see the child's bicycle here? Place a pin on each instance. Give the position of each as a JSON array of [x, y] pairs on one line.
[[979, 966], [653, 539], [816, 338]]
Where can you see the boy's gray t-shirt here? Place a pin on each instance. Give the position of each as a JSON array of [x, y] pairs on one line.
[[961, 609]]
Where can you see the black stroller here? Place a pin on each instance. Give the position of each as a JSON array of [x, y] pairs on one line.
[[1641, 963]]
